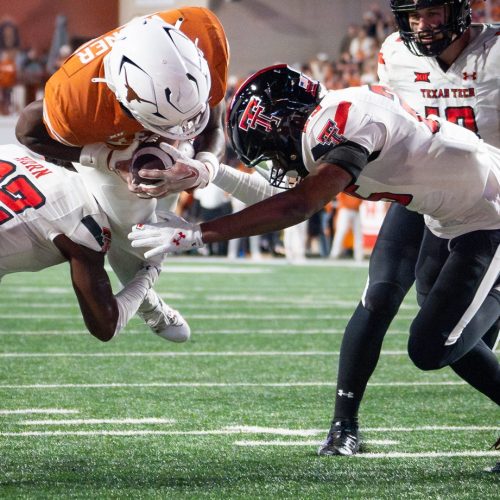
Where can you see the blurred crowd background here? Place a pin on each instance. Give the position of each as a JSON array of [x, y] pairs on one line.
[[24, 69]]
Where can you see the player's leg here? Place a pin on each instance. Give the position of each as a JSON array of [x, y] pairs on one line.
[[461, 306], [391, 274], [125, 209], [433, 254]]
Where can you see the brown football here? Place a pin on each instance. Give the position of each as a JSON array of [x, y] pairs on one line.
[[150, 157]]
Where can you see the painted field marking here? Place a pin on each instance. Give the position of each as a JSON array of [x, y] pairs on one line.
[[182, 354], [179, 385], [277, 442], [253, 331], [393, 454], [35, 411], [99, 421], [215, 317]]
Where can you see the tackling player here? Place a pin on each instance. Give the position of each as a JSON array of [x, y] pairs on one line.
[[367, 141], [440, 65], [164, 73], [47, 217]]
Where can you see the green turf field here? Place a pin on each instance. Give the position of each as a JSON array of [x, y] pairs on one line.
[[238, 411]]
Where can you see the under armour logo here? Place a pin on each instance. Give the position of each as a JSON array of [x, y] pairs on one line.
[[177, 241], [472, 76], [349, 395], [422, 77]]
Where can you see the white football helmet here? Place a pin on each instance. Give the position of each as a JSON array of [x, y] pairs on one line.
[[161, 77]]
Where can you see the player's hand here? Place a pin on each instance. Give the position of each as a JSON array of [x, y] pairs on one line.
[[187, 173], [172, 234]]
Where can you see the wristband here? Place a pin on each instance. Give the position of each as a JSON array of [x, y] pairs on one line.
[[211, 161]]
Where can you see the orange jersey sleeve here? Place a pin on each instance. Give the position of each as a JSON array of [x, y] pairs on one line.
[[79, 110]]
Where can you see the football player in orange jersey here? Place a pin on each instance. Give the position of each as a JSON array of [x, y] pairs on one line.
[[164, 73], [159, 73]]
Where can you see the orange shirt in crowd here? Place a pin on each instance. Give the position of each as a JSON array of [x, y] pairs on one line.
[[7, 72], [78, 111]]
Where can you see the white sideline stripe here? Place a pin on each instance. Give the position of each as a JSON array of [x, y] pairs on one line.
[[220, 384], [253, 331], [95, 421], [169, 354], [30, 411], [215, 317]]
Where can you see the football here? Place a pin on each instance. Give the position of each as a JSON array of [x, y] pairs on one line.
[[149, 156]]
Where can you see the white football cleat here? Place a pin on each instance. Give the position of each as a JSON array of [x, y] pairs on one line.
[[167, 322]]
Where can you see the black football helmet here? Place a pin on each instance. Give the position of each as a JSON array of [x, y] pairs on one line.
[[266, 118], [458, 13]]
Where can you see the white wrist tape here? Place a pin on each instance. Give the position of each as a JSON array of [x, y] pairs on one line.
[[96, 155], [211, 161]]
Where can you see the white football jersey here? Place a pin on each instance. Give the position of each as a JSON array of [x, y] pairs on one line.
[[468, 93], [38, 201], [432, 166]]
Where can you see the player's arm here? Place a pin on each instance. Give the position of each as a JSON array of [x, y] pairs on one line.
[[282, 210], [104, 314], [32, 133]]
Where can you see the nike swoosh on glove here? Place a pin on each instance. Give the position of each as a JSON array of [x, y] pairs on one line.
[[173, 234]]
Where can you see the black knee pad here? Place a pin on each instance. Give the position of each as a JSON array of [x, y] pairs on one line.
[[384, 298], [421, 356]]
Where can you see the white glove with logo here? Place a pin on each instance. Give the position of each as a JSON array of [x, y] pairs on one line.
[[187, 173], [173, 234]]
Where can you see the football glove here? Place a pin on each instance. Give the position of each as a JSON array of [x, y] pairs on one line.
[[172, 234], [187, 173]]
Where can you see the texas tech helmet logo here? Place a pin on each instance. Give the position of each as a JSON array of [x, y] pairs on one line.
[[253, 117]]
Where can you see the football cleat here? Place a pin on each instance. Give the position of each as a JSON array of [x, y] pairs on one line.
[[343, 438], [167, 322]]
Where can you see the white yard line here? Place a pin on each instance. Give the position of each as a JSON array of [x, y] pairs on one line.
[[253, 331], [219, 384], [38, 411], [99, 421], [393, 454], [215, 317], [182, 354]]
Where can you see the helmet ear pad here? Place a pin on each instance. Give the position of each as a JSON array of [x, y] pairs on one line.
[[161, 77]]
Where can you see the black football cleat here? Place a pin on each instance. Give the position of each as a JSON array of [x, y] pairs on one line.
[[343, 438]]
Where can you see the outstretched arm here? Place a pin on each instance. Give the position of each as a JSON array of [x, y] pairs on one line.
[[104, 314], [272, 214], [282, 210]]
